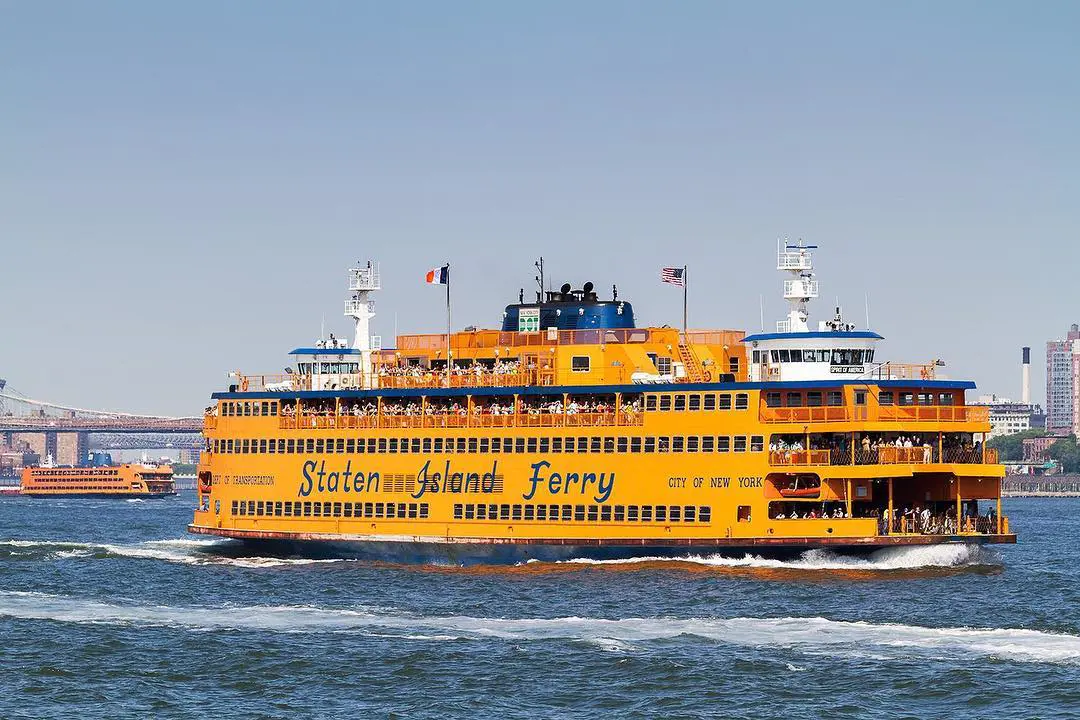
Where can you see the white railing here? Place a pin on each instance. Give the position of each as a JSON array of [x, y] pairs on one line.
[[364, 279], [359, 307], [783, 326], [800, 289], [793, 260]]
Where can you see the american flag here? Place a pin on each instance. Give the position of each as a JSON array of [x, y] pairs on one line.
[[672, 275]]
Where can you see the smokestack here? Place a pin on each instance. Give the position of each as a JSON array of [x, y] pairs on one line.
[[1025, 369]]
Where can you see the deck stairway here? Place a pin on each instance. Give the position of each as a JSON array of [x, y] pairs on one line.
[[690, 362]]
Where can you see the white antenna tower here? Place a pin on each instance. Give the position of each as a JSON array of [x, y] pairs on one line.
[[801, 288], [361, 308]]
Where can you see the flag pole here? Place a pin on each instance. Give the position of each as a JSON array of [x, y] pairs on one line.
[[448, 325], [685, 286]]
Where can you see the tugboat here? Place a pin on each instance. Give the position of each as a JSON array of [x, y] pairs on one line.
[[571, 432]]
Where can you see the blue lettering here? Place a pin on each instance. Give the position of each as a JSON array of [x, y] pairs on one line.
[[487, 483], [332, 482], [305, 486], [604, 489], [322, 475], [347, 474], [536, 479]]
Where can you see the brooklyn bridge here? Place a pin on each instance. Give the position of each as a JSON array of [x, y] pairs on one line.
[[69, 433]]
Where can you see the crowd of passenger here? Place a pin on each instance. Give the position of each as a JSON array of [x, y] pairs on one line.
[[874, 448], [474, 369], [928, 519], [434, 407]]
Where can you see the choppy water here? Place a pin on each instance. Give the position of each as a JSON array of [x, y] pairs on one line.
[[108, 610]]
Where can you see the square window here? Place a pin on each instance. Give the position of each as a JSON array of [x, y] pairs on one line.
[[740, 443], [725, 401], [694, 402], [579, 363], [723, 444], [709, 402], [742, 401]]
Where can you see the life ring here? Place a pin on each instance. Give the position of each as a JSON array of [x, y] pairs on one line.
[[708, 376], [243, 384]]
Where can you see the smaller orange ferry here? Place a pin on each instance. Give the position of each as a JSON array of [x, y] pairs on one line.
[[127, 480]]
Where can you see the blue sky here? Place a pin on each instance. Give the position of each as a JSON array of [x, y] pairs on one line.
[[182, 185]]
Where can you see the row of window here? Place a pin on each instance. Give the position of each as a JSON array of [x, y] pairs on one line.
[[653, 401], [887, 397], [307, 508], [696, 401], [578, 444], [584, 513], [66, 487], [74, 472], [817, 398], [249, 408], [852, 356]]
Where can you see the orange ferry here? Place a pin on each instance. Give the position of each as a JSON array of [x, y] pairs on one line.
[[128, 480], [571, 432]]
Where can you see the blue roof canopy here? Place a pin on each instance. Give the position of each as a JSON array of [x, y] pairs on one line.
[[838, 334], [324, 351]]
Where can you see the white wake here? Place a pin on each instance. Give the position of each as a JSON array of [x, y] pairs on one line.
[[898, 558], [812, 635], [181, 550]]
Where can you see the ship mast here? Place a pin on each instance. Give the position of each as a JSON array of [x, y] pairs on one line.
[[361, 308], [798, 262]]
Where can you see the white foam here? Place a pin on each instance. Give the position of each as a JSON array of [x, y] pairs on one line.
[[898, 558], [179, 550], [810, 635]]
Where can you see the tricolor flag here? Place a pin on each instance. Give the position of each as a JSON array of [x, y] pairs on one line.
[[672, 275], [438, 276]]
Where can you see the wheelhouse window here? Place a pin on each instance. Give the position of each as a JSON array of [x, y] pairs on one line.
[[579, 363]]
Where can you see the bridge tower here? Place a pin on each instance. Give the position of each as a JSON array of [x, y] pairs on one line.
[[363, 281], [3, 384]]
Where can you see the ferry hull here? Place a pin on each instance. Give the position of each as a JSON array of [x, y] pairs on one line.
[[472, 551], [115, 495]]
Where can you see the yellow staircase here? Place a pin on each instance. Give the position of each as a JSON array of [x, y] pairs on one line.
[[690, 362]]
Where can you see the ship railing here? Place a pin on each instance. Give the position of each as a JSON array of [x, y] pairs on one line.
[[493, 339], [934, 413], [799, 457], [460, 380], [314, 421], [287, 382], [904, 371], [943, 524], [210, 421], [886, 413]]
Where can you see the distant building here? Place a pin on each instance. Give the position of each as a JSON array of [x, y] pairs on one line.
[[1036, 449], [1008, 417], [1063, 384]]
